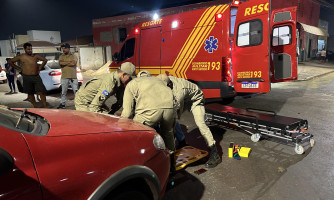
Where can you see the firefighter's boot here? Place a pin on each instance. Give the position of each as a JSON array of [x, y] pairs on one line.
[[214, 159]]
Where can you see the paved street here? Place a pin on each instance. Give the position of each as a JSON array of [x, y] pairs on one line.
[[272, 171]]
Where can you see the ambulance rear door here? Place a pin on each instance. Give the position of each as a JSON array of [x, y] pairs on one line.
[[284, 45], [250, 51]]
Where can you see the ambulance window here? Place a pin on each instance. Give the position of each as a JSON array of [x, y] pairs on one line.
[[233, 17], [250, 33], [127, 50], [281, 36]]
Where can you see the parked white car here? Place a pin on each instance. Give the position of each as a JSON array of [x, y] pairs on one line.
[[3, 76], [50, 74]]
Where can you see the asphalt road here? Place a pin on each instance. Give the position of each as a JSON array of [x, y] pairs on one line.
[[273, 170]]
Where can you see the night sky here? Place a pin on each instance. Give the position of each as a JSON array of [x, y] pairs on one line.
[[73, 18]]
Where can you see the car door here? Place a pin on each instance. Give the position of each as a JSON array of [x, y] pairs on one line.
[[18, 178]]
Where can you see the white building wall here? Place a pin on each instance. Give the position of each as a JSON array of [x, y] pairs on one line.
[[21, 39], [49, 36], [91, 57], [5, 46], [330, 44], [108, 53]]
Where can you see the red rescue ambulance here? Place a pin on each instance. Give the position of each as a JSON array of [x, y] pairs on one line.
[[224, 49]]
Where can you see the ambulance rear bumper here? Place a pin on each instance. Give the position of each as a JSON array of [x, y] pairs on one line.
[[225, 90]]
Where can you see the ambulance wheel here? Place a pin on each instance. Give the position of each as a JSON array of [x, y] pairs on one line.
[[299, 149], [255, 137], [312, 142]]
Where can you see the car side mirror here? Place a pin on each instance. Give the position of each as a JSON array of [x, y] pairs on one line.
[[6, 162], [115, 57]]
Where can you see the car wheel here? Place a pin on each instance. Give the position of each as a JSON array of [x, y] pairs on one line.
[[19, 86], [130, 195]]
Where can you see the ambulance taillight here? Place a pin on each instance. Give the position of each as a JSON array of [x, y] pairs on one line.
[[226, 72], [219, 17]]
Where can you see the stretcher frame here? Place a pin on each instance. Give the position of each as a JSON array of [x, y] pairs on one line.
[[258, 123]]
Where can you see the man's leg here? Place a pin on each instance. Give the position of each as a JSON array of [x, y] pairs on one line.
[[40, 89], [43, 98], [31, 99], [178, 132], [74, 84], [64, 87], [167, 124], [199, 114], [9, 79]]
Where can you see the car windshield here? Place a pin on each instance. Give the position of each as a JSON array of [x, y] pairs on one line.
[[22, 121]]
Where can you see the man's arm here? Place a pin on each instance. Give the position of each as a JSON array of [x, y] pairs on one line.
[[128, 103], [12, 61], [72, 63], [106, 89], [41, 59]]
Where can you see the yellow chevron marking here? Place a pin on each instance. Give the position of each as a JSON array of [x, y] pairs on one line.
[[195, 40], [189, 41], [200, 44]]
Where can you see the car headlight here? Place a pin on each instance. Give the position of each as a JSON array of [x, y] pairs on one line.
[[159, 142]]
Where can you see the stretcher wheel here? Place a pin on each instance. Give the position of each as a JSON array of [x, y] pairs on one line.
[[311, 142], [299, 149], [255, 137]]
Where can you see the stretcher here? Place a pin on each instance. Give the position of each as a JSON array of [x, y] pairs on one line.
[[260, 123], [188, 155]]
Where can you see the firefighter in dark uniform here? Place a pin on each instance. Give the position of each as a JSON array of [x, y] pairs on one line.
[[92, 96]]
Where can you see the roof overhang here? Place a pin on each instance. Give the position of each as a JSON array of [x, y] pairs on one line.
[[314, 30]]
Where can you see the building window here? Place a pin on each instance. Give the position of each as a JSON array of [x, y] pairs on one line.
[[122, 34], [281, 36], [106, 36], [250, 33]]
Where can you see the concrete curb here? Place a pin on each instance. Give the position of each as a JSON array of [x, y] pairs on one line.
[[313, 77]]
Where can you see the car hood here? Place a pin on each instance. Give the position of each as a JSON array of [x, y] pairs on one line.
[[72, 122]]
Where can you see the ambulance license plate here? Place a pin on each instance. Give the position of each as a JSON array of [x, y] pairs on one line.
[[250, 85]]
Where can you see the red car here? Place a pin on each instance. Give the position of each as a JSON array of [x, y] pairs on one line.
[[67, 154]]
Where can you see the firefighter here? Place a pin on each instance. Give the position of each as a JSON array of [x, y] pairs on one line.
[[149, 101], [191, 97], [93, 95]]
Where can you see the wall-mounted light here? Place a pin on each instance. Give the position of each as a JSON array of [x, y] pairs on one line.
[[175, 24], [155, 16]]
